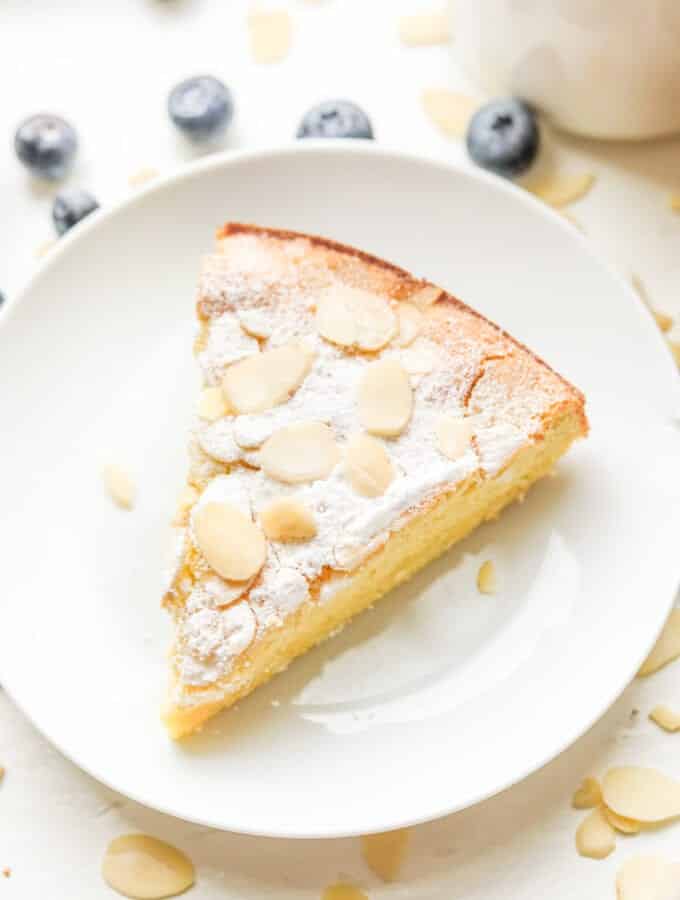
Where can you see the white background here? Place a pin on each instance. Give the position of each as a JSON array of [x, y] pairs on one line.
[[107, 68]]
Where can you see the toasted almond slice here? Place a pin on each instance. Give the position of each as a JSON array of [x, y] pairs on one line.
[[667, 648], [621, 823], [424, 29], [385, 398], [145, 868], [343, 891], [642, 794], [185, 501], [120, 486], [561, 190], [665, 718], [595, 837], [351, 317], [212, 404], [449, 110], [384, 853], [587, 795], [286, 519], [231, 543], [255, 323], [266, 379], [410, 321], [453, 436], [486, 578], [303, 452], [647, 878], [270, 33], [368, 466]]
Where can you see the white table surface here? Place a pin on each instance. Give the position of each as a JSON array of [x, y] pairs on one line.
[[107, 68]]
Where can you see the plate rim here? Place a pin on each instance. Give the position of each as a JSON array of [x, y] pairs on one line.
[[228, 159]]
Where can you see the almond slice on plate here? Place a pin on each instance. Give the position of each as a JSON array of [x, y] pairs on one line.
[[120, 486], [266, 379], [561, 190], [665, 718], [595, 837], [621, 823], [385, 398], [144, 868], [486, 578], [302, 452], [641, 794], [667, 647], [453, 436], [410, 321], [587, 795], [231, 543], [343, 891], [368, 466], [351, 317], [384, 853], [287, 519]]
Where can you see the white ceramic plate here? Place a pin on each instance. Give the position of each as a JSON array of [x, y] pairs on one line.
[[438, 698]]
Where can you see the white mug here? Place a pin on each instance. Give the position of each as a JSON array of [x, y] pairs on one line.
[[602, 68]]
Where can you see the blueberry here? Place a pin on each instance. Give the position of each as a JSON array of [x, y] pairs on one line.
[[201, 107], [2, 298], [46, 145], [70, 207], [503, 137], [335, 119]]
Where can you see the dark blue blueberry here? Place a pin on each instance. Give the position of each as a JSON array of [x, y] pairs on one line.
[[335, 119], [503, 137], [2, 298], [46, 145], [70, 207], [201, 107]]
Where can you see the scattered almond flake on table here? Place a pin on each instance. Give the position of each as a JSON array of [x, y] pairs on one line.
[[645, 877], [450, 111], [143, 176], [667, 647], [665, 718], [119, 485], [486, 578], [561, 190], [621, 823], [588, 795], [424, 28], [595, 837], [645, 795], [663, 320], [270, 34], [343, 891], [675, 350], [384, 853], [144, 868]]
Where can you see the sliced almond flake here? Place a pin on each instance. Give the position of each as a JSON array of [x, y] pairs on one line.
[[410, 321], [486, 578], [667, 647], [675, 350], [666, 718], [641, 794], [144, 868], [663, 320], [561, 190], [270, 34], [424, 28], [595, 837], [119, 485], [384, 853], [232, 544], [212, 404], [343, 891], [368, 466], [385, 398], [453, 435], [267, 379], [351, 317], [142, 177], [674, 201], [622, 823], [287, 519], [587, 795], [647, 878], [450, 111], [302, 452]]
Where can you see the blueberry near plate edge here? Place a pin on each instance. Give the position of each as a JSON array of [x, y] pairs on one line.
[[46, 144], [70, 207], [335, 119], [201, 107], [503, 136]]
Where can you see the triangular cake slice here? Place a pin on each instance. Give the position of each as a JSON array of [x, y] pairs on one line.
[[354, 423]]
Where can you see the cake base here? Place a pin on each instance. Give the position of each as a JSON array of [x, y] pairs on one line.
[[427, 535]]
